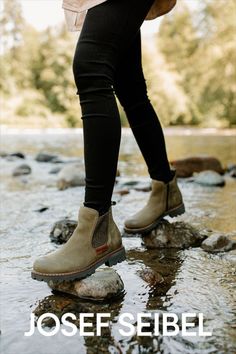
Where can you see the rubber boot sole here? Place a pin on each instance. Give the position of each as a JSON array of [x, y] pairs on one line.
[[179, 210], [110, 259]]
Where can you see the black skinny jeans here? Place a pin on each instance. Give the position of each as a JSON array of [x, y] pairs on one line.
[[107, 62]]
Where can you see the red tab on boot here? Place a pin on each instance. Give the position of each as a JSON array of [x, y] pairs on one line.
[[101, 249]]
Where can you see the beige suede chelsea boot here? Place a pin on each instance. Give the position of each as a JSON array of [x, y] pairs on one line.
[[165, 199], [95, 241]]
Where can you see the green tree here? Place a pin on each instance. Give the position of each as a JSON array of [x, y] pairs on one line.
[[51, 69], [217, 58], [200, 47], [11, 26]]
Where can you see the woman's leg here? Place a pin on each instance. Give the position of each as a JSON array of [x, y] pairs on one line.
[[108, 31], [165, 197], [130, 88]]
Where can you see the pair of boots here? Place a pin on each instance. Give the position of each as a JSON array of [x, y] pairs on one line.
[[97, 239]]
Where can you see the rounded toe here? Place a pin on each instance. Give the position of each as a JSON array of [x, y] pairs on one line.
[[40, 265], [131, 223]]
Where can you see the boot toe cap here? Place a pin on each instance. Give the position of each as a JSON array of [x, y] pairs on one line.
[[131, 223], [42, 265]]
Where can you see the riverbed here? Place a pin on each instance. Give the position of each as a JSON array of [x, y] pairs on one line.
[[194, 281]]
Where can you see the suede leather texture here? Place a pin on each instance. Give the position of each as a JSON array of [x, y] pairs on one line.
[[156, 204], [78, 253]]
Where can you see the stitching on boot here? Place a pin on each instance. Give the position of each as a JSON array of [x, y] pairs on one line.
[[100, 234]]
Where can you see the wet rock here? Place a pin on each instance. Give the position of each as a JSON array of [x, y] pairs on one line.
[[13, 156], [58, 160], [17, 154], [173, 235], [72, 175], [20, 170], [45, 157], [218, 243], [186, 167], [3, 154], [209, 178], [150, 277], [55, 170], [62, 230], [42, 210], [105, 283], [130, 183]]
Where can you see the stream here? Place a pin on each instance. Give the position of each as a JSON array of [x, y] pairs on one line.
[[194, 280]]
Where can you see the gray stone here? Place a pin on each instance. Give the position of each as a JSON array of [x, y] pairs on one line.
[[18, 154], [105, 283], [71, 175], [55, 170], [209, 178], [130, 183], [62, 230], [218, 243], [45, 157], [42, 210], [3, 154], [173, 235], [21, 170]]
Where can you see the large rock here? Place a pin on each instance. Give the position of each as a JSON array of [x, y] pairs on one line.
[[186, 167], [45, 157], [218, 243], [173, 235], [55, 170], [105, 283], [71, 175], [20, 170], [62, 230], [209, 178]]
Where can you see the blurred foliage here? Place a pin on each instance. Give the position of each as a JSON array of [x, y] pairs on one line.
[[200, 47], [189, 68]]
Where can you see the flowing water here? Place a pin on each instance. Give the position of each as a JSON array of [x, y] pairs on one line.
[[193, 281]]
